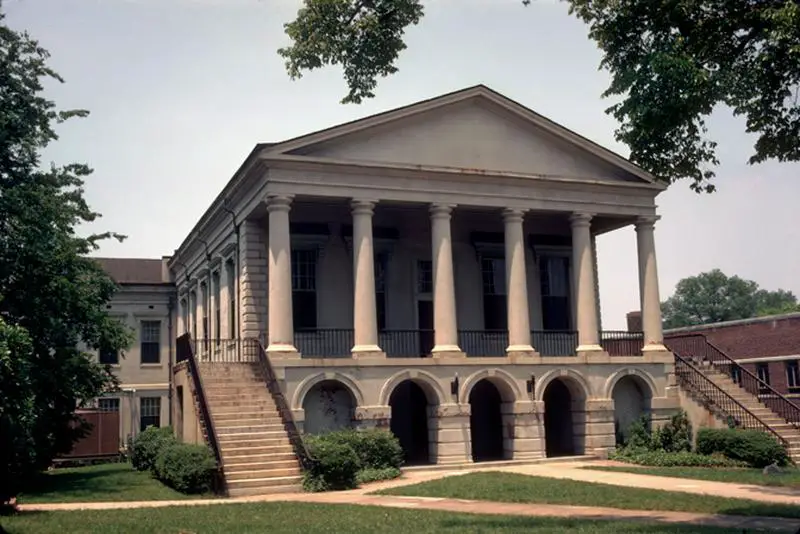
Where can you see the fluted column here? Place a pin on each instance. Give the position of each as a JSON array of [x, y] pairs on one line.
[[444, 293], [281, 324], [365, 317], [519, 328], [588, 334], [648, 284]]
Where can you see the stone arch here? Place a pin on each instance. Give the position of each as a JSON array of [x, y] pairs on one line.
[[428, 382], [632, 392], [575, 381], [308, 383], [502, 380], [564, 393], [645, 378]]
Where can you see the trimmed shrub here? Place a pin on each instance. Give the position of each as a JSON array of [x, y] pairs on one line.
[[369, 474], [673, 459], [145, 447], [675, 435], [756, 448], [335, 465], [186, 468], [375, 448]]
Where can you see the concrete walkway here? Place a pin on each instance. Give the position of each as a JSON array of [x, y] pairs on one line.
[[570, 471]]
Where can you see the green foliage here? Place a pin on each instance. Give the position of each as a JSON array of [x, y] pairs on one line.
[[754, 447], [375, 448], [185, 467], [50, 291], [335, 465], [369, 474], [693, 57], [145, 448], [674, 436], [713, 297], [672, 459]]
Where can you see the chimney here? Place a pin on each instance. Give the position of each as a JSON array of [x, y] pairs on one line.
[[634, 321], [166, 275]]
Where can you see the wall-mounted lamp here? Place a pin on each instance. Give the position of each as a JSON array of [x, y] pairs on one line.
[[454, 386], [531, 386]]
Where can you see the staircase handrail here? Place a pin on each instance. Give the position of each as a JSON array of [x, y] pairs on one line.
[[185, 352], [761, 425], [765, 393], [274, 387]]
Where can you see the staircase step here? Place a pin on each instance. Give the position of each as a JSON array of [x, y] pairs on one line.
[[248, 432], [243, 427], [262, 474], [237, 449], [257, 466], [269, 490], [252, 440], [265, 483], [246, 458]]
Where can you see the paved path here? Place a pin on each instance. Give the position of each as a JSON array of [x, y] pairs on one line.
[[571, 471]]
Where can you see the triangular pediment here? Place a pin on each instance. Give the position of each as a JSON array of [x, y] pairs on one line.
[[476, 130]]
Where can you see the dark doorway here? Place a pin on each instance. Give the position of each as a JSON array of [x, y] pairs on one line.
[[410, 421], [425, 326], [179, 414], [486, 422], [558, 425]]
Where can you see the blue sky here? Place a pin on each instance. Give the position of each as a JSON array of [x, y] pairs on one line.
[[180, 91]]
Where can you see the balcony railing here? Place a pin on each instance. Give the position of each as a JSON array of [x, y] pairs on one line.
[[224, 351], [406, 343], [555, 342], [621, 343], [483, 342], [324, 342]]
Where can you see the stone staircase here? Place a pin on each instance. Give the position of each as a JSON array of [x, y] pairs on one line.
[[787, 431], [257, 456]]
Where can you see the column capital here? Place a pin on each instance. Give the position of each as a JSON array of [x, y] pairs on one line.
[[513, 214], [279, 202], [441, 211], [581, 219], [646, 222], [362, 206]]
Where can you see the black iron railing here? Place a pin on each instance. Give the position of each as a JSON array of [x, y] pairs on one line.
[[622, 343], [700, 349], [715, 399], [221, 351], [184, 352], [325, 342], [406, 343], [555, 342], [483, 342], [253, 346]]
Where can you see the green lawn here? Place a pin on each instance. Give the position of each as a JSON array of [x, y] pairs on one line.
[[302, 518], [97, 483], [512, 487], [789, 479]]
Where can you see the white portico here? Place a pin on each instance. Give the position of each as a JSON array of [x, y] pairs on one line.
[[449, 247]]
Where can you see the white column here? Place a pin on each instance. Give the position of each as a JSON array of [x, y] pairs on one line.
[[582, 265], [444, 293], [519, 327], [281, 326], [648, 284], [365, 316]]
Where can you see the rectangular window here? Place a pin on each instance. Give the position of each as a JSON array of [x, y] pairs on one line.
[[304, 289], [495, 312], [108, 357], [151, 342], [793, 375], [762, 371], [149, 412], [215, 280], [205, 304], [424, 276], [554, 276], [230, 275], [108, 404], [381, 262]]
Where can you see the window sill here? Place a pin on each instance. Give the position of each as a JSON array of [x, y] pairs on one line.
[[153, 365]]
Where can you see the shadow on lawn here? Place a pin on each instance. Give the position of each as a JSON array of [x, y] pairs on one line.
[[106, 480]]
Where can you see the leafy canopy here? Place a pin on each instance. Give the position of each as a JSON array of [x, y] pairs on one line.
[[52, 296], [672, 62], [713, 297]]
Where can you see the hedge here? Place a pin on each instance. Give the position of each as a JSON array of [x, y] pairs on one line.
[[673, 459], [186, 468], [144, 448], [754, 447]]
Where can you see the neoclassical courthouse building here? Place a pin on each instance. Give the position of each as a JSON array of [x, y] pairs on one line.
[[431, 269]]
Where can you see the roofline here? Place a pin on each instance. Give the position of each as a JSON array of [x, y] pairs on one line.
[[737, 322]]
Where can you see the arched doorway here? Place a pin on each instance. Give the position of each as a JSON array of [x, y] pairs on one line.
[[409, 422], [563, 411], [486, 422], [632, 398], [328, 406]]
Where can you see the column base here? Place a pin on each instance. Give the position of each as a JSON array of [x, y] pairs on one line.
[[283, 350], [654, 347], [447, 351], [589, 348], [521, 351], [367, 351]]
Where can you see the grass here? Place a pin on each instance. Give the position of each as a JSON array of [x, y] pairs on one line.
[[302, 518], [97, 483], [790, 478], [512, 487]]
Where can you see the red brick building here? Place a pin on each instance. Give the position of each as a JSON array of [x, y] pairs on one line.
[[767, 346]]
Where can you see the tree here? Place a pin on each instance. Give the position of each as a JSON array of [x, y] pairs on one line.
[[671, 62], [52, 296], [713, 297]]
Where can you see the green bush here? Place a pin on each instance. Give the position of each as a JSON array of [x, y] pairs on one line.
[[756, 448], [369, 474], [186, 468], [673, 459], [145, 447], [375, 448], [674, 436], [335, 465]]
